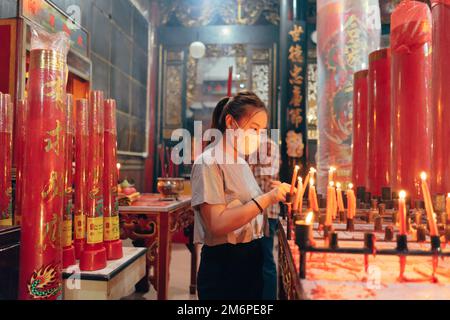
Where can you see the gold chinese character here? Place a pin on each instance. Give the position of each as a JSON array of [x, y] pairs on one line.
[[296, 76], [295, 116], [297, 97], [52, 189], [56, 92], [296, 54], [57, 135], [296, 33]]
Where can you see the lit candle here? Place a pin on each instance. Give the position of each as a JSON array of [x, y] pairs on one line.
[[294, 179], [429, 205], [351, 202], [330, 204], [298, 196], [331, 173], [309, 218], [402, 212], [118, 170], [312, 195], [335, 207], [340, 200]]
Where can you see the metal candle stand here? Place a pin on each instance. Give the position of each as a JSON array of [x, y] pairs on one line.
[[303, 234]]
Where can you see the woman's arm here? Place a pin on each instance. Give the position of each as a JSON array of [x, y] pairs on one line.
[[220, 220]]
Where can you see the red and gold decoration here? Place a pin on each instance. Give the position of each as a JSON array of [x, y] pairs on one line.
[[94, 255], [6, 132], [81, 174], [43, 172], [113, 244], [67, 239]]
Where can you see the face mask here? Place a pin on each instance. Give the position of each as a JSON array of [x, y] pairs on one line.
[[247, 141]]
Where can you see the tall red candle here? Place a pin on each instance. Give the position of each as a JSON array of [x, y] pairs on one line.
[[44, 165], [6, 127], [81, 172], [67, 239], [411, 78], [94, 254], [19, 148], [113, 244], [379, 121], [359, 162], [440, 178]]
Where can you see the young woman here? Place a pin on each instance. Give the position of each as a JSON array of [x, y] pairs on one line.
[[229, 205]]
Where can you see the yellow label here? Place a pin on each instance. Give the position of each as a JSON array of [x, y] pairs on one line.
[[6, 222], [94, 228], [67, 233], [112, 232], [80, 226]]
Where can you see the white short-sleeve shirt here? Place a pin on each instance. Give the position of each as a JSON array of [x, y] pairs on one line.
[[215, 182]]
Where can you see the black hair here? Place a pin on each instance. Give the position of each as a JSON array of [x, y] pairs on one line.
[[244, 104]]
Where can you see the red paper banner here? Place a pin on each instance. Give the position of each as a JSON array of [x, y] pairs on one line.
[[6, 127]]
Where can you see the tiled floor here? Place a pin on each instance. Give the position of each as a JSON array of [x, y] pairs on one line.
[[180, 271]]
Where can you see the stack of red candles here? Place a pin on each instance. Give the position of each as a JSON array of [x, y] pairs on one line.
[[379, 132], [43, 169], [81, 171], [67, 242], [6, 127], [113, 244], [94, 255], [19, 147], [360, 116]]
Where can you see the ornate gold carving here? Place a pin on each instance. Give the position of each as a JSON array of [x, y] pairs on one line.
[[191, 13], [261, 82]]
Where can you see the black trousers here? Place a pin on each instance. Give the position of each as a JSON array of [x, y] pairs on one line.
[[231, 272]]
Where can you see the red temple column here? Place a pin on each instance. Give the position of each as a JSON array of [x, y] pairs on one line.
[[6, 128], [67, 238], [440, 177], [360, 101], [44, 166], [379, 121], [113, 244], [411, 79], [19, 148], [94, 255], [81, 174]]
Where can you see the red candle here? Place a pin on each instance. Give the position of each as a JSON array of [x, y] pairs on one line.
[[441, 96], [411, 79], [340, 200], [360, 105], [113, 244], [330, 204], [81, 174], [19, 148], [230, 82], [351, 202], [298, 196], [67, 239], [312, 195], [94, 254], [44, 166], [379, 159], [402, 213], [6, 127]]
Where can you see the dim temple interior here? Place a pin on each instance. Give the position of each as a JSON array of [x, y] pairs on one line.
[[198, 150]]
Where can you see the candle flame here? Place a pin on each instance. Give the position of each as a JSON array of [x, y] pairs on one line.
[[350, 185], [119, 166], [311, 183], [332, 169], [297, 168], [312, 170], [423, 176], [338, 185], [309, 218], [331, 184], [402, 195], [448, 195]]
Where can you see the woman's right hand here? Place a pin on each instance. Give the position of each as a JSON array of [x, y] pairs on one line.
[[279, 192]]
